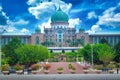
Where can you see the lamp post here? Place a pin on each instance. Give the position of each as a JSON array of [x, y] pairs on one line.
[[92, 63], [77, 58]]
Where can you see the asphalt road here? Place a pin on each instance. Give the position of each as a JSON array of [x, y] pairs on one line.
[[61, 77]]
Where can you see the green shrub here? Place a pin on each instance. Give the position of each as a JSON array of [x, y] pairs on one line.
[[35, 66], [98, 67], [18, 67], [70, 66], [111, 66], [6, 67], [60, 68]]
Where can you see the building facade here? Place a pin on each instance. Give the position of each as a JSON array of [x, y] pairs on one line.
[[61, 35]]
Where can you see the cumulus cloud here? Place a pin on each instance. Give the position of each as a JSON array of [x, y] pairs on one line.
[[91, 15], [20, 22], [74, 22], [3, 17], [43, 11], [94, 29], [45, 25], [7, 24], [24, 30], [110, 18]]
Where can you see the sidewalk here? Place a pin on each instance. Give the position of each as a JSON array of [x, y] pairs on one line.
[[61, 77]]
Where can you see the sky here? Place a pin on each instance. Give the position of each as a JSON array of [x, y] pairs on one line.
[[92, 15]]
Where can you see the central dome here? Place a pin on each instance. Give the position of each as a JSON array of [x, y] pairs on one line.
[[59, 16]]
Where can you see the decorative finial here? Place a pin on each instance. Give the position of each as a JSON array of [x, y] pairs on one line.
[[59, 7]]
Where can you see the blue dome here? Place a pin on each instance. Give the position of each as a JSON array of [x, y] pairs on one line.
[[59, 15]]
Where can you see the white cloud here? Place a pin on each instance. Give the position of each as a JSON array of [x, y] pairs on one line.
[[32, 2], [45, 24], [21, 22], [91, 15], [110, 18], [43, 11], [11, 29], [73, 22], [94, 29], [24, 30]]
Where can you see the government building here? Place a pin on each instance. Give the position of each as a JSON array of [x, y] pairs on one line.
[[60, 35]]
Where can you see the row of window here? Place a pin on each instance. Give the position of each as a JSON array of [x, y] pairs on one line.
[[112, 40], [69, 32], [58, 40], [7, 40], [55, 27]]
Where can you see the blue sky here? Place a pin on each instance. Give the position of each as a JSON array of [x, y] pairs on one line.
[[93, 15]]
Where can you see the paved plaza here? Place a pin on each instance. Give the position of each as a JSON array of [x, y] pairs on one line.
[[61, 77]]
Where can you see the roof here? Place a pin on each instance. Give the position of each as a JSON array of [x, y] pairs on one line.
[[15, 34], [59, 15], [106, 33]]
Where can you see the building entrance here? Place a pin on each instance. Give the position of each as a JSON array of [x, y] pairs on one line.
[[62, 58]]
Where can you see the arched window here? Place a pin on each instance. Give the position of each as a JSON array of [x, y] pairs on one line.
[[37, 40], [59, 31]]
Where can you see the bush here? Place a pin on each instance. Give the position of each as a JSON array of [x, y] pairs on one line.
[[63, 51], [6, 67], [18, 67], [111, 66], [70, 66], [60, 68], [46, 66], [35, 66], [98, 67]]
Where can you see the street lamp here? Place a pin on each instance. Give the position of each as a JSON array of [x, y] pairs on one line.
[[77, 58], [92, 63]]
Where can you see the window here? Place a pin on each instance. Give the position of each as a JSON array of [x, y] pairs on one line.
[[94, 39], [4, 41], [107, 38], [59, 40], [25, 40], [111, 41], [37, 40], [114, 40], [8, 39], [59, 36], [118, 38], [59, 31], [99, 39]]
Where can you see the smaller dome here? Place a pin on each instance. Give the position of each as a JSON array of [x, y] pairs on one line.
[[37, 30], [81, 29]]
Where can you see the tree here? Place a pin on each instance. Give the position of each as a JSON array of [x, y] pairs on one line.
[[48, 43], [31, 54], [103, 41], [105, 53], [9, 50], [100, 52], [117, 52], [86, 52]]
